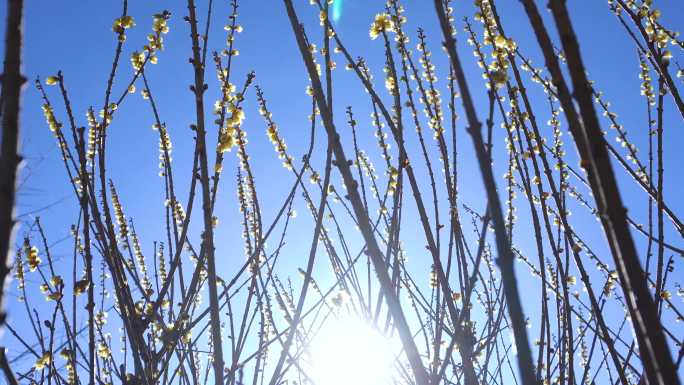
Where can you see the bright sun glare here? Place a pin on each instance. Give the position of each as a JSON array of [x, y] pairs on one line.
[[349, 351]]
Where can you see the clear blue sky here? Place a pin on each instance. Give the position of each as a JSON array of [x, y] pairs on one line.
[[76, 37]]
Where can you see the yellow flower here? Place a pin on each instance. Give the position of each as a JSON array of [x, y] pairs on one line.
[[56, 296], [390, 84], [51, 80], [32, 258], [137, 60], [65, 353], [56, 280], [226, 143], [100, 318], [50, 118], [500, 42], [187, 337], [499, 77], [236, 116], [122, 23], [103, 351], [382, 23], [43, 361], [81, 286], [159, 23], [433, 275]]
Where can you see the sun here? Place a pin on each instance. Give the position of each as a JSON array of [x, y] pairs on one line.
[[349, 350]]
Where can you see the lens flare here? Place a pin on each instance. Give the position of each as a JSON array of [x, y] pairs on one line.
[[349, 351], [336, 10]]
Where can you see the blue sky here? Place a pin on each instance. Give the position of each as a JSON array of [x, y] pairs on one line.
[[76, 37]]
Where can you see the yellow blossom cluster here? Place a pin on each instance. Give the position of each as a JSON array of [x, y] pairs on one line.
[[314, 178], [646, 81], [122, 23], [382, 23], [232, 27], [393, 180], [32, 258], [178, 212], [610, 283], [155, 42], [140, 258], [67, 354], [162, 263], [159, 22], [51, 295], [142, 307], [43, 361], [20, 273], [100, 318], [103, 351], [119, 215], [137, 60], [227, 140], [381, 136], [497, 70], [92, 129], [391, 84], [657, 34], [52, 122], [433, 281], [81, 286], [272, 132], [165, 147], [236, 28], [431, 97], [279, 144], [230, 134]]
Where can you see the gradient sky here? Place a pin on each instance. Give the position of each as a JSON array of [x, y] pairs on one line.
[[76, 37]]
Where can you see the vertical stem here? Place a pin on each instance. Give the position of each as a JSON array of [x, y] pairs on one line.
[[12, 81], [656, 357], [659, 194], [361, 214], [505, 259], [208, 236], [11, 380]]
